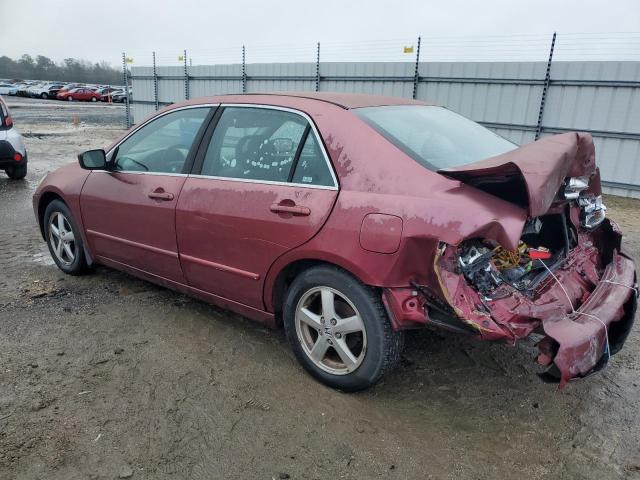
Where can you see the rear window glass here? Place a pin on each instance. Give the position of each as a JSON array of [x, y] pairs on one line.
[[4, 112], [434, 136]]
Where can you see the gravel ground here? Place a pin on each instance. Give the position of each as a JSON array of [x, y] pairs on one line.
[[105, 376]]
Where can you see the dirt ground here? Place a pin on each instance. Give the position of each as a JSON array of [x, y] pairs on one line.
[[105, 376]]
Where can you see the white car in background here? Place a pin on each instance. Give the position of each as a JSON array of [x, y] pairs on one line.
[[33, 90], [8, 89], [48, 90], [13, 154]]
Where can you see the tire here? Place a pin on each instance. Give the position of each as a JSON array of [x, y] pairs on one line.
[[70, 98], [358, 311], [17, 172], [44, 96], [93, 99], [76, 263]]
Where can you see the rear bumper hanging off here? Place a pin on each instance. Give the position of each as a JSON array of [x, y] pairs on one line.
[[580, 336]]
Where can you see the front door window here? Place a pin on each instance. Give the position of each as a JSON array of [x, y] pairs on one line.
[[161, 146]]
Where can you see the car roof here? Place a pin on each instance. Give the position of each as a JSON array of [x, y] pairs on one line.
[[343, 100]]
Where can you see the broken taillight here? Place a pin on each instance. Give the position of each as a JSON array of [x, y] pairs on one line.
[[574, 186], [592, 211]]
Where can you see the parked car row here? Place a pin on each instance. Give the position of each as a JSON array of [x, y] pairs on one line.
[[64, 91]]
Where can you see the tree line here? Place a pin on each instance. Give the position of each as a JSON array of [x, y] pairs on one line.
[[69, 70]]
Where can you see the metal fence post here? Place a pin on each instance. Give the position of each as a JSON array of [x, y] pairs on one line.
[[416, 77], [244, 72], [318, 68], [125, 78], [547, 79], [186, 77], [155, 83]]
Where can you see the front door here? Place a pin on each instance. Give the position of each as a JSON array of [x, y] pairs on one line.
[[129, 211], [264, 187]]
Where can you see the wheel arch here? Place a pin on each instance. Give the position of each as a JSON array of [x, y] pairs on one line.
[[45, 199], [43, 202], [280, 277]]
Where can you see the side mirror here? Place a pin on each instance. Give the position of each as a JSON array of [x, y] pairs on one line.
[[93, 160]]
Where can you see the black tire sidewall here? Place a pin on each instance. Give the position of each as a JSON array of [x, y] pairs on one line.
[[364, 299], [78, 266], [17, 172]]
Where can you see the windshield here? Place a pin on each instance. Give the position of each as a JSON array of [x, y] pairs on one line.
[[434, 136]]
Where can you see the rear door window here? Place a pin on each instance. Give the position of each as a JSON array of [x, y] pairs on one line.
[[4, 113], [254, 144], [312, 168], [266, 144]]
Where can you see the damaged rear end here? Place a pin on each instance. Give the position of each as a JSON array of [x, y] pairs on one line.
[[565, 278]]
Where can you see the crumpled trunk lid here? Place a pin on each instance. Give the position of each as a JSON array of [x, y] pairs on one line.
[[532, 175]]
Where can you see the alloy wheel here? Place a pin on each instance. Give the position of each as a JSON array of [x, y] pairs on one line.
[[61, 238], [330, 330]]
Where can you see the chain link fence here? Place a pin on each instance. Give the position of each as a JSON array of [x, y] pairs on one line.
[[522, 87]]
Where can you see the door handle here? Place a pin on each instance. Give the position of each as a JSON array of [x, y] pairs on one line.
[[160, 195], [292, 209]]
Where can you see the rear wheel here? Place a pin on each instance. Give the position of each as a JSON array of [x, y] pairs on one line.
[[18, 172], [339, 330], [44, 96], [70, 98], [94, 99], [63, 239]]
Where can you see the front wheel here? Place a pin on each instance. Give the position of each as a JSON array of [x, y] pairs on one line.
[[94, 99], [70, 98], [339, 330], [18, 172], [63, 239], [44, 96]]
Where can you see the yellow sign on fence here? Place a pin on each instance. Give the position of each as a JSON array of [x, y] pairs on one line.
[[128, 60], [408, 49]]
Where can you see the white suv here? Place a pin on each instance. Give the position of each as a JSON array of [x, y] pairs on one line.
[[13, 154]]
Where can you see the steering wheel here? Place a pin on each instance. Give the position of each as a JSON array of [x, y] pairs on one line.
[[267, 149], [172, 159]]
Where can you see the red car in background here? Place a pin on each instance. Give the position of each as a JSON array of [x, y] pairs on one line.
[[80, 93], [352, 218]]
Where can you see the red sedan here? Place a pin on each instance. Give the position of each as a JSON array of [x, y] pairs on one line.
[[352, 218], [84, 94]]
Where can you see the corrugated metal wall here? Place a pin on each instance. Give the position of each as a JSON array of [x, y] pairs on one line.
[[599, 97]]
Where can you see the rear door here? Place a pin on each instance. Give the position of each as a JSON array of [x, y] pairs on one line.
[[129, 212], [263, 185]]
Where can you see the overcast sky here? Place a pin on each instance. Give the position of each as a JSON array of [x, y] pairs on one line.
[[284, 29]]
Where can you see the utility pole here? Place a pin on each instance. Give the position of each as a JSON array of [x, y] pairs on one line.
[[244, 72], [186, 77], [547, 80], [125, 78], [155, 83], [318, 68], [416, 75]]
